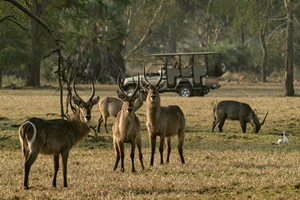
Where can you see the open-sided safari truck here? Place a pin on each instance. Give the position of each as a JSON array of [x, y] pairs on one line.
[[188, 74]]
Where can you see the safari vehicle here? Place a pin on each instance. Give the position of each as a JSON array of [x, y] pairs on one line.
[[188, 74]]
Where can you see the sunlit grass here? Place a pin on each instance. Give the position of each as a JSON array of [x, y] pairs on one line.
[[229, 165]]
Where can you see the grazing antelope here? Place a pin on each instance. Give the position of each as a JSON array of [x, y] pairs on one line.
[[234, 110], [56, 136], [110, 106], [126, 129], [164, 122]]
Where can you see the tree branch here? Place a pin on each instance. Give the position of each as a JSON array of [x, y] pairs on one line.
[[30, 14], [57, 50], [147, 33], [12, 19]]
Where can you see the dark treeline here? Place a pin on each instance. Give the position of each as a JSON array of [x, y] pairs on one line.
[[103, 38]]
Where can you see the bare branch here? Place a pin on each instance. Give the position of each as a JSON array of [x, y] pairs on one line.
[[12, 19], [129, 17], [61, 59], [30, 14], [6, 17], [147, 33]]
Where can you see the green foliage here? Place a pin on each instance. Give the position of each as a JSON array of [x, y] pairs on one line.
[[103, 32], [9, 80], [14, 41]]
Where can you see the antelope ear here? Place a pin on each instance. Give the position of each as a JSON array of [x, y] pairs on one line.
[[120, 95], [145, 86], [95, 100], [76, 100], [144, 94]]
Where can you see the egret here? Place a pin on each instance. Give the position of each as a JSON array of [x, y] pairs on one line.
[[278, 142], [285, 140]]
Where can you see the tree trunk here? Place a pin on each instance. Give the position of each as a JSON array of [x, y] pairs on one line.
[[265, 56], [289, 59], [242, 35], [33, 75], [171, 42], [34, 67]]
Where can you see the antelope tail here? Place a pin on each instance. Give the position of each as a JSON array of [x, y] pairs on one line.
[[23, 134], [214, 105]]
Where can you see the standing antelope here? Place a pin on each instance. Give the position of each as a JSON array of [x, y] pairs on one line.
[[110, 106], [163, 122], [56, 136], [126, 129], [234, 110]]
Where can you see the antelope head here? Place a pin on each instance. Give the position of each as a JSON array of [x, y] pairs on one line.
[[129, 100], [85, 107], [152, 89], [256, 123]]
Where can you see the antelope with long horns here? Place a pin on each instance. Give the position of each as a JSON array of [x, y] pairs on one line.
[[234, 110], [110, 106], [164, 122], [126, 129], [55, 137]]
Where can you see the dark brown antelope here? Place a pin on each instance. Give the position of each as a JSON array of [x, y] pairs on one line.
[[164, 122], [55, 137], [126, 129], [234, 110]]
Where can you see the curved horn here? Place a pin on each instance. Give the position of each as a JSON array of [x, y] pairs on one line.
[[159, 81], [160, 78], [119, 85], [135, 90], [93, 91], [146, 77], [74, 88], [137, 86], [264, 119], [142, 83]]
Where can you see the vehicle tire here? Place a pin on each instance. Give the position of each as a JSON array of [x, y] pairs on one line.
[[201, 93], [185, 91], [223, 67]]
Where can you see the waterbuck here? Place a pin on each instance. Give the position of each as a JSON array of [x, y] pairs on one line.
[[164, 122], [55, 137], [234, 110], [110, 106], [126, 129]]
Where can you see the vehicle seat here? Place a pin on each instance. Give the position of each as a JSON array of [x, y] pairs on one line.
[[172, 74], [199, 71], [186, 72]]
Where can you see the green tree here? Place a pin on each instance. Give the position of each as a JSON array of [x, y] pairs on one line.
[[14, 46]]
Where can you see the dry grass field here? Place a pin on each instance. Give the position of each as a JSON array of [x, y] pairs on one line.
[[229, 165]]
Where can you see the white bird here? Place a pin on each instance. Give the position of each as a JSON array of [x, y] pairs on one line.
[[285, 140], [279, 142]]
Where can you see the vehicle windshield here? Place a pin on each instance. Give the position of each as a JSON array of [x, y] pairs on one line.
[[153, 68]]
